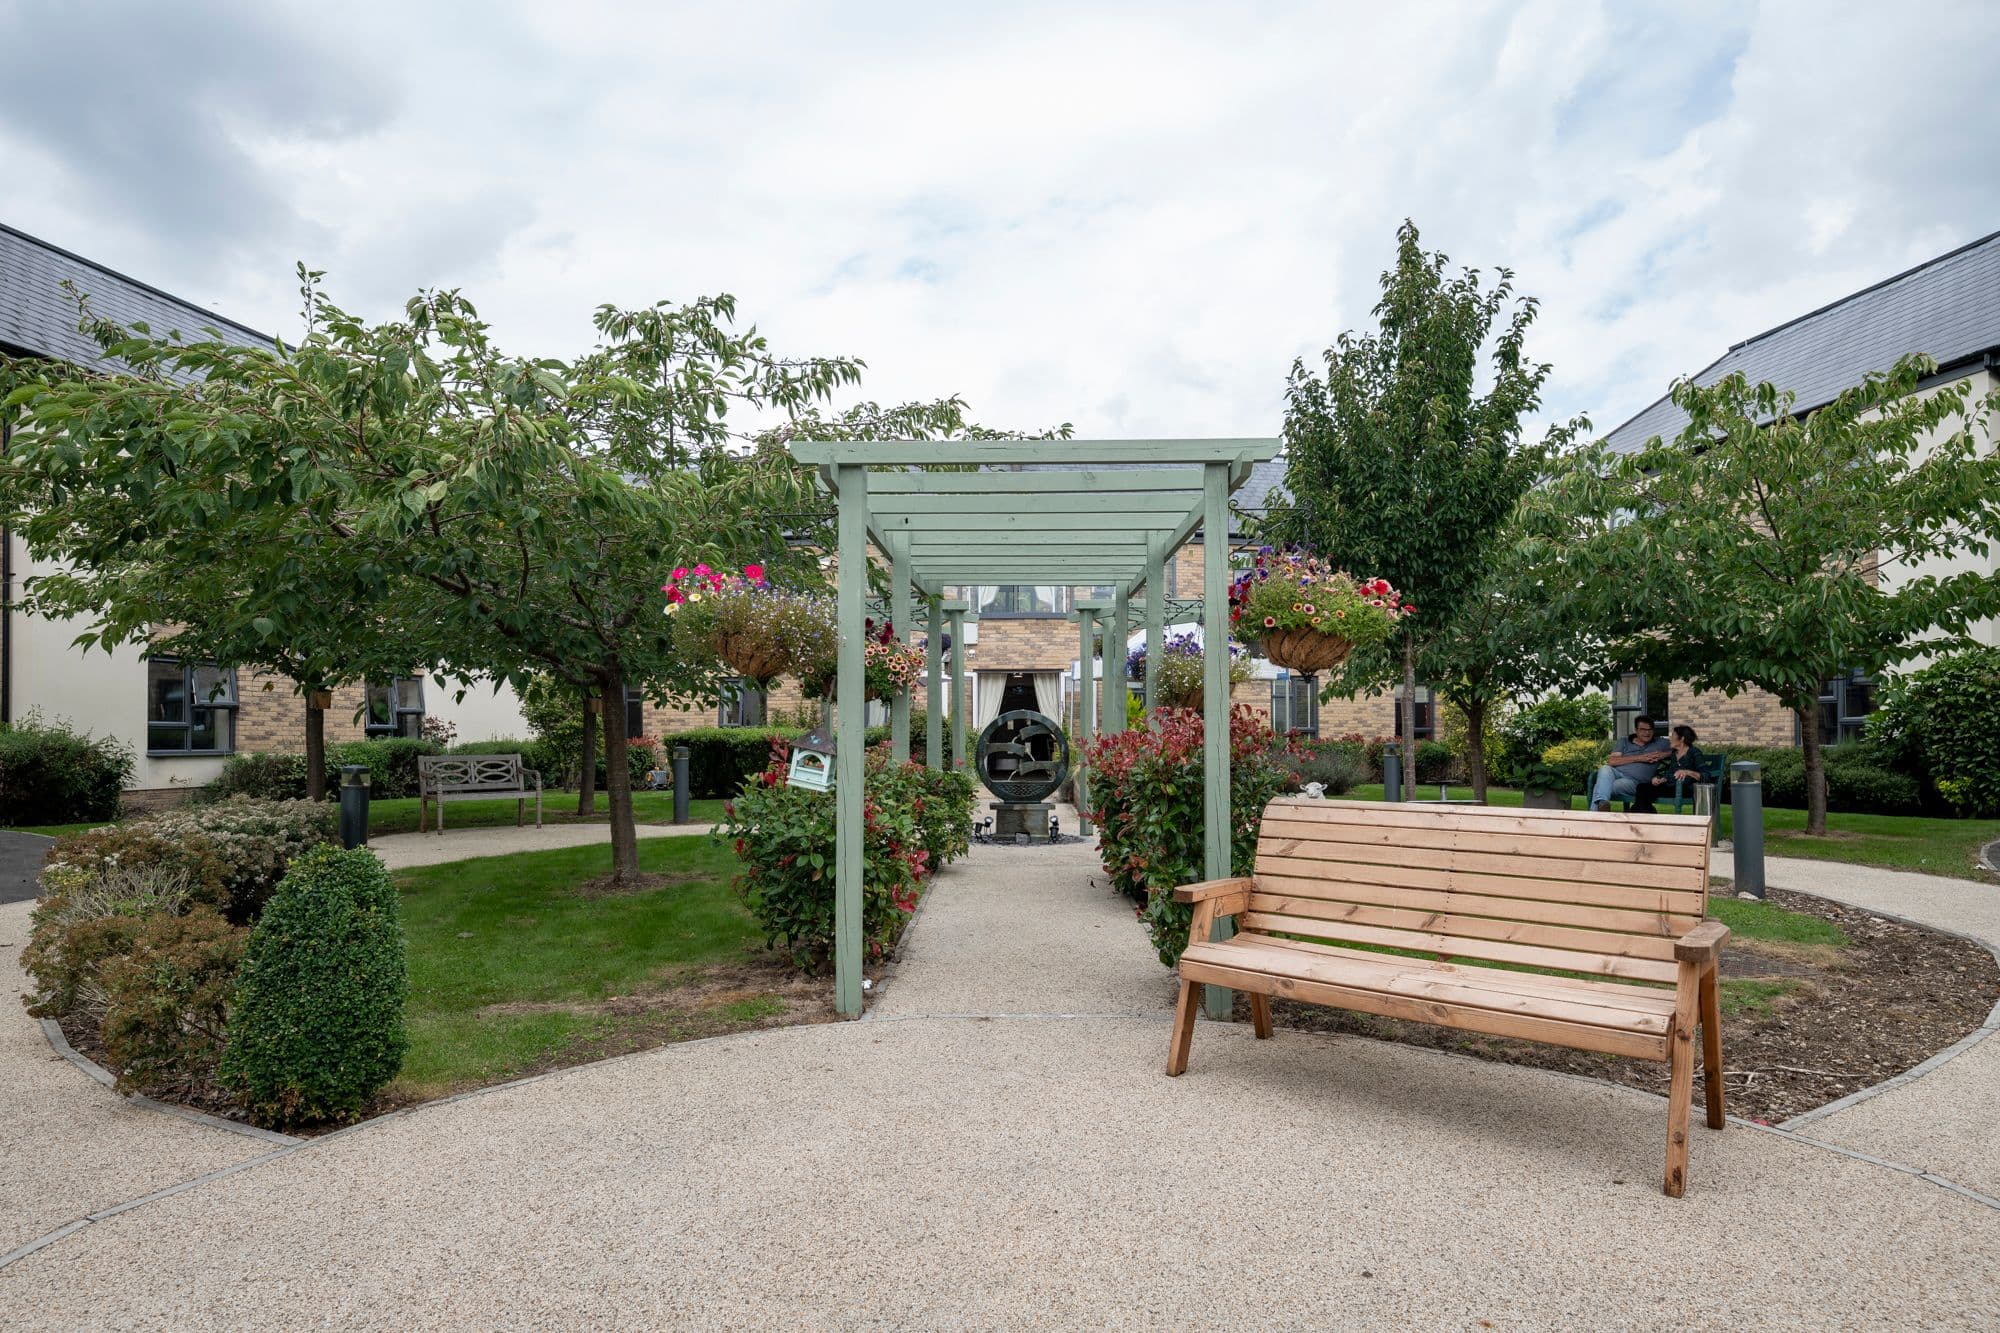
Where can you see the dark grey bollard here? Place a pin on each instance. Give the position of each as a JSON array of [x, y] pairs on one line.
[[1392, 772], [353, 806], [680, 784], [1746, 809]]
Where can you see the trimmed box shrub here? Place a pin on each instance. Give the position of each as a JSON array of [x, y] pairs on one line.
[[52, 774], [317, 1021]]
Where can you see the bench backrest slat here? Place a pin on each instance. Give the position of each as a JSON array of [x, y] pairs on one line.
[[469, 772], [1599, 894]]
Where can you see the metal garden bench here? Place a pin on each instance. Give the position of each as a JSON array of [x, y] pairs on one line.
[[475, 777]]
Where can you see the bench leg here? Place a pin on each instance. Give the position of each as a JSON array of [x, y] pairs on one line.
[[520, 812], [423, 814], [1680, 1091], [1183, 1037], [1260, 1015], [1711, 1046]]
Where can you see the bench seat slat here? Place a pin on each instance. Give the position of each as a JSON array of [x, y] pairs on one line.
[[1466, 946], [1614, 883], [1528, 899], [1636, 1009], [1441, 919], [1469, 1017], [1615, 993], [1295, 823]]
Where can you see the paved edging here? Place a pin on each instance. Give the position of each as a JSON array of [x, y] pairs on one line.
[[53, 1031]]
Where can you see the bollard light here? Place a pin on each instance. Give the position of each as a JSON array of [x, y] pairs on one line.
[[1746, 811], [1392, 772], [353, 806], [680, 784]]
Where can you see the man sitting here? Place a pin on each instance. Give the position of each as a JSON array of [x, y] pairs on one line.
[[1631, 762], [1684, 764]]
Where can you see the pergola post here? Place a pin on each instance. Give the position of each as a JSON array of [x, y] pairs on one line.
[[1157, 593], [934, 718], [1114, 662], [850, 732], [955, 617], [1086, 708], [899, 617], [1215, 826]]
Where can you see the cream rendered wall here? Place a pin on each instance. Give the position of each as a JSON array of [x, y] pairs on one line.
[[490, 710], [95, 691], [1986, 631]]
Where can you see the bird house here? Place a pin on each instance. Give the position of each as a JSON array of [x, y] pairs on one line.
[[812, 762]]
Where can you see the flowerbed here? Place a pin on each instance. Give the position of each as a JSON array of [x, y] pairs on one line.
[[1146, 794], [139, 941], [914, 821]]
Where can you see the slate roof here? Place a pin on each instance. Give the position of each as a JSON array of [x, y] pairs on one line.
[[1948, 308], [37, 316]]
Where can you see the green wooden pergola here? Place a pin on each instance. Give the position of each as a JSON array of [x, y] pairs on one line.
[[1065, 513]]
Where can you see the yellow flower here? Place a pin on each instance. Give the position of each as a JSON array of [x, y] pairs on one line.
[[694, 597]]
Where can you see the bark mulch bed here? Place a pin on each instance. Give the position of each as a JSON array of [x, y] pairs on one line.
[[1801, 1025]]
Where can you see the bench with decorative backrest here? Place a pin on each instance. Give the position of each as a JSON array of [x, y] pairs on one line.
[[475, 777], [1608, 909]]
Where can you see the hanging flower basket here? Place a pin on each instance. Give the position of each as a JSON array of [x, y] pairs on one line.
[[889, 666], [751, 655], [1179, 681], [1307, 616], [738, 619], [1305, 651]]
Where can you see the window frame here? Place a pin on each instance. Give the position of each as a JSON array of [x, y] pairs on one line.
[[732, 711], [1426, 719], [399, 711], [1832, 715], [635, 711], [1622, 713], [1285, 700], [225, 707]]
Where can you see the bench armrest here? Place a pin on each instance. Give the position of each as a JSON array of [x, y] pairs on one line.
[[1213, 888], [1703, 944], [527, 773]]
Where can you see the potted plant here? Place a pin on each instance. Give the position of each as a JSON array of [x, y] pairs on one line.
[[759, 632], [1306, 615], [1181, 674], [1543, 786]]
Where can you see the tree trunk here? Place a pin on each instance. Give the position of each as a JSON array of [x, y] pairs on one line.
[[1815, 768], [586, 782], [315, 750], [618, 788], [1409, 716], [1475, 748]]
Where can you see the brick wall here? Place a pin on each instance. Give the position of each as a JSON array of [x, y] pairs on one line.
[[1034, 643], [271, 715], [1751, 718]]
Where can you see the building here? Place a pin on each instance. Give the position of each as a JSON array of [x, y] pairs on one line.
[[1947, 308], [181, 719]]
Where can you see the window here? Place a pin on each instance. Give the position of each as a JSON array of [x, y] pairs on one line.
[[1295, 705], [635, 713], [395, 707], [1636, 696], [1426, 714], [1844, 705], [190, 707], [1017, 600], [743, 704]]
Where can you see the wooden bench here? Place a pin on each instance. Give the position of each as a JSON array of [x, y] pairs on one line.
[[1612, 905], [474, 777]]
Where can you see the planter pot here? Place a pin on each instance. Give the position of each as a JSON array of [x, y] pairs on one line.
[[1306, 651], [756, 661], [1545, 800]]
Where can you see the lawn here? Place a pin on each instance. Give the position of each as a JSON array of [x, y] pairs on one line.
[[1930, 846], [558, 807], [649, 807], [513, 969]]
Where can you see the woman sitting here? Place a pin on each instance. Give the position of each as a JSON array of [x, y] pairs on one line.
[[1684, 763]]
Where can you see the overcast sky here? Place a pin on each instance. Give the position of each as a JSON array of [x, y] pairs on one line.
[[1131, 218]]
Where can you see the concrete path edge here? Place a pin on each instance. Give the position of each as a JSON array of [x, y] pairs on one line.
[[53, 1031]]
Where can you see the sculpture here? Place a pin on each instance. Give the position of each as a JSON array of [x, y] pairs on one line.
[[1022, 757]]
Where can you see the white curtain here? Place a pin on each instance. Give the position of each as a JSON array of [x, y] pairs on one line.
[[987, 687], [1048, 694]]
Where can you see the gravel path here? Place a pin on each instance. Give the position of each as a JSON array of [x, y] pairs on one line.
[[20, 861], [995, 1144]]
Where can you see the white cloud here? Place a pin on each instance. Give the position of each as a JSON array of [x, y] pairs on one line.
[[1129, 217]]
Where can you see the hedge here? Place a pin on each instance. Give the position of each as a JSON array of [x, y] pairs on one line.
[[1855, 782], [50, 774]]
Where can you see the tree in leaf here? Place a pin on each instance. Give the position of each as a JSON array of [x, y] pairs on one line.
[[1778, 550], [1398, 465]]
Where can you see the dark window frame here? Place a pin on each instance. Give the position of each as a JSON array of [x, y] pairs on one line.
[[1839, 724], [405, 720], [222, 708], [635, 713], [1426, 713], [1628, 703], [743, 705], [1290, 694]]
